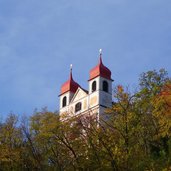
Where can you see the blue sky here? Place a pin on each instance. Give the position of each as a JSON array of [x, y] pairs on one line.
[[39, 39]]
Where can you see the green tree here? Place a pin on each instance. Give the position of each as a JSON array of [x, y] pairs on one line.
[[11, 141]]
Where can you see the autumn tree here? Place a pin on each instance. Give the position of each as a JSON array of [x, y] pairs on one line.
[[11, 143], [133, 135]]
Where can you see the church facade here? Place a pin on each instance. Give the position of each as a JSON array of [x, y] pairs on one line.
[[76, 101]]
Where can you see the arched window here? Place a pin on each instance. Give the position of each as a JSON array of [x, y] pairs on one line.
[[64, 101], [105, 86], [94, 86], [78, 107]]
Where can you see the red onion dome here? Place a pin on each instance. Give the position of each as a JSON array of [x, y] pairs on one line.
[[100, 70], [69, 85]]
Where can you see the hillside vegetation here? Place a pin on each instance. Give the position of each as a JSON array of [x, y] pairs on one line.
[[135, 137]]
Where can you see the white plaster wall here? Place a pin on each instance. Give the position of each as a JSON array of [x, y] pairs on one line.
[[82, 100], [109, 84], [92, 100], [68, 95], [97, 79]]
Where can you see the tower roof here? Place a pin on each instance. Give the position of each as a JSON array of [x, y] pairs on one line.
[[100, 70], [69, 85]]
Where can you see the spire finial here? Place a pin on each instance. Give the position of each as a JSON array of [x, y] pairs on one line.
[[70, 71], [100, 52], [71, 67]]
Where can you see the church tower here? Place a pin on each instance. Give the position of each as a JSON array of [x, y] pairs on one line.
[[100, 86], [76, 101], [68, 90]]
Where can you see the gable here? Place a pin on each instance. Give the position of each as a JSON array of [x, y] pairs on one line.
[[80, 93]]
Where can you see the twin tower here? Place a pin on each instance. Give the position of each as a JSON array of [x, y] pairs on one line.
[[74, 100]]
